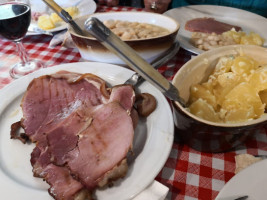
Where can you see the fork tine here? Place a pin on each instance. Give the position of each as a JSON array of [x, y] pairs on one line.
[[241, 198], [261, 156]]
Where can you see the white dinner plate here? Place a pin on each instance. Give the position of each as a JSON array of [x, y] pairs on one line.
[[152, 142], [249, 22], [86, 7], [251, 181]]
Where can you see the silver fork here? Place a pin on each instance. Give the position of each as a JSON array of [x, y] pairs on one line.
[[261, 156], [35, 29], [242, 198], [136, 79]]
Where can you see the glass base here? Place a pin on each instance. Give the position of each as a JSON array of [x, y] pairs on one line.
[[22, 69]]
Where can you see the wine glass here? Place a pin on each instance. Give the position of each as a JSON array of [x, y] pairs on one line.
[[15, 18]]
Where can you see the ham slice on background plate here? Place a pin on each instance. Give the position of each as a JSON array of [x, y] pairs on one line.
[[209, 25]]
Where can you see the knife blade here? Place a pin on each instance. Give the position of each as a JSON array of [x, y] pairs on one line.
[[64, 15]]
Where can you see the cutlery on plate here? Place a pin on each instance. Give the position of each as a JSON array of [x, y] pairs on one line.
[[261, 156], [136, 79], [112, 42], [233, 197], [241, 198]]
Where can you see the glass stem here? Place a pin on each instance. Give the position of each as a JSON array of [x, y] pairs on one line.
[[22, 52]]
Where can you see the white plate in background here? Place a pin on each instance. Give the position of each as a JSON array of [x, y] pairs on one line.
[[248, 21], [152, 141]]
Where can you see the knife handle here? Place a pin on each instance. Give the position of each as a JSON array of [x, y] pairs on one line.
[[112, 42], [126, 53], [52, 4]]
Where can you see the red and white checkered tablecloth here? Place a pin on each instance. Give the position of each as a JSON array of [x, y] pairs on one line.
[[189, 174]]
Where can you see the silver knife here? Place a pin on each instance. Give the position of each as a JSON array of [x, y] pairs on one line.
[[112, 42]]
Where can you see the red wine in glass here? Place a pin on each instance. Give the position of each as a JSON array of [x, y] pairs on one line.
[[15, 18]]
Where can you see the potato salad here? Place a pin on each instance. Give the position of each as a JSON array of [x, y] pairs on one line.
[[235, 92]]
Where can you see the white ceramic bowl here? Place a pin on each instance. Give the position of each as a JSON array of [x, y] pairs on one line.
[[90, 49], [205, 135]]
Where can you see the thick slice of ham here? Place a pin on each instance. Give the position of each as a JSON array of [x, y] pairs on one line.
[[209, 25], [82, 131], [55, 99], [102, 145], [58, 177]]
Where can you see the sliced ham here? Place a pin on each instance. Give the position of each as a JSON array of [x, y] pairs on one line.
[[55, 99], [209, 25], [102, 145], [58, 177], [82, 130]]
